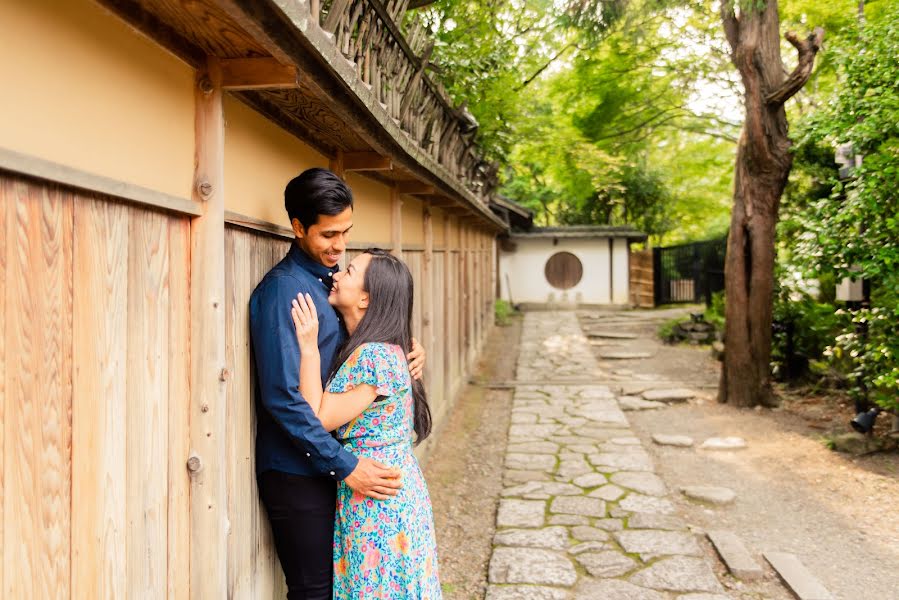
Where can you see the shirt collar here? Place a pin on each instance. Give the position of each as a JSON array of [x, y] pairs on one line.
[[318, 270]]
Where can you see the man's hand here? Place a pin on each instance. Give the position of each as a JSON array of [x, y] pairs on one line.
[[373, 479], [416, 360]]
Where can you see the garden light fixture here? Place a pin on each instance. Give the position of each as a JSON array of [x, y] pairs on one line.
[[864, 421]]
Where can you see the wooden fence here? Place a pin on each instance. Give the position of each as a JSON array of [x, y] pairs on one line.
[[95, 391], [641, 279]]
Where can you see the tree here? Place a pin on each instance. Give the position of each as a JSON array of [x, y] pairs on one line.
[[761, 170]]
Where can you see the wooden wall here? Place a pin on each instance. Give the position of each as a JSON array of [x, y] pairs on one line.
[[93, 390]]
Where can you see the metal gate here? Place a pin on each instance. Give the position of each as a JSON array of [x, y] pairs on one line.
[[688, 272]]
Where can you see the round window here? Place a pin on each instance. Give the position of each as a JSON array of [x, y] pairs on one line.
[[563, 270]]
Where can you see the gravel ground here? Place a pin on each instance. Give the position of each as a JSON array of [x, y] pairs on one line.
[[836, 513], [464, 470]]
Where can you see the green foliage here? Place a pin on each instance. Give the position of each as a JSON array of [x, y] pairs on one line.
[[502, 311], [835, 228], [714, 313], [666, 330]]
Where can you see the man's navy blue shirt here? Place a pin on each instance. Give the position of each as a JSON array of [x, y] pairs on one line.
[[289, 437]]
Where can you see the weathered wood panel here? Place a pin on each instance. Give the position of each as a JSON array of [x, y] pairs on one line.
[[98, 406], [253, 568], [641, 279], [37, 390]]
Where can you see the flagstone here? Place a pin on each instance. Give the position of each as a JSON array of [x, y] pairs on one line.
[[587, 547], [639, 503], [613, 589], [609, 563], [678, 574], [669, 394], [590, 480], [576, 505], [584, 533], [607, 492], [631, 461], [650, 543], [537, 462], [645, 483], [520, 513], [530, 565], [525, 592], [554, 538]]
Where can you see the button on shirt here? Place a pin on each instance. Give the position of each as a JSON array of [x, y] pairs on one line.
[[289, 437]]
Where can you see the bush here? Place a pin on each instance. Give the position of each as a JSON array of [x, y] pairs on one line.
[[502, 311], [667, 329]]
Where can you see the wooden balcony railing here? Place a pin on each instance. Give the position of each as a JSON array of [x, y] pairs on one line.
[[393, 65]]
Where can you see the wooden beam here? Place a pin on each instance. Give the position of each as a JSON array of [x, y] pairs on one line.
[[396, 222], [206, 463], [415, 188], [263, 73], [366, 161]]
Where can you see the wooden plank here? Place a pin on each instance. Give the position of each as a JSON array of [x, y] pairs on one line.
[[147, 407], [396, 222], [37, 390], [178, 509], [336, 164], [366, 161], [98, 407], [426, 283], [208, 495], [260, 73], [46, 170], [6, 206]]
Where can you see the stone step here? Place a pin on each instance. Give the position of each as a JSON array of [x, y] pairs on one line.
[[735, 556], [623, 354], [613, 335], [669, 394], [796, 577]]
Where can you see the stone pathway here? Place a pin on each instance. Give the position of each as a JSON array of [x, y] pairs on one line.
[[583, 515]]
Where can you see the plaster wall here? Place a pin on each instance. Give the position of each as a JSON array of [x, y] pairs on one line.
[[604, 281], [82, 89], [371, 211], [413, 223]]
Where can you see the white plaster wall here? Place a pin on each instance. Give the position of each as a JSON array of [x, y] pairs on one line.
[[605, 278]]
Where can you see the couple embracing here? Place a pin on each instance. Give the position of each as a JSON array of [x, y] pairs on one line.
[[339, 403]]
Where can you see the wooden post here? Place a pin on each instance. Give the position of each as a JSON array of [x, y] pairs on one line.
[[208, 494], [448, 332], [427, 300], [396, 222], [336, 164]]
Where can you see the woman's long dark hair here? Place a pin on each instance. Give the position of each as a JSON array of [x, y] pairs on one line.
[[388, 320]]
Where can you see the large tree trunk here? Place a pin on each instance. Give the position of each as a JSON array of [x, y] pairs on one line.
[[762, 167]]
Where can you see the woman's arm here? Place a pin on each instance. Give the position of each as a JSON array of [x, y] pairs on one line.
[[333, 410]]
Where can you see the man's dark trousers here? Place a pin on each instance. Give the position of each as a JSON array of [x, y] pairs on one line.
[[301, 512]]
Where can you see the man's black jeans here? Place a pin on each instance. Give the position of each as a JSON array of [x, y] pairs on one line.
[[301, 512]]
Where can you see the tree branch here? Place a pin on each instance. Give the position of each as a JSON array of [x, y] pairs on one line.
[[731, 25], [545, 66], [807, 50]]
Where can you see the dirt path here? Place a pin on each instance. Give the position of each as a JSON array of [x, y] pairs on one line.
[[464, 471], [836, 513]]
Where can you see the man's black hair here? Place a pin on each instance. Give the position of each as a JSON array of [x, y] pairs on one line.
[[316, 192]]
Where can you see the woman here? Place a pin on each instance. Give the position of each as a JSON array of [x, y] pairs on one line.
[[382, 548]]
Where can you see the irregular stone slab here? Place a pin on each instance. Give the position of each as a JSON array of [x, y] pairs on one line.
[[589, 534], [709, 493], [525, 592], [539, 447], [796, 577], [669, 394], [587, 547], [574, 505], [530, 565], [607, 564], [631, 461], [582, 448], [651, 542], [623, 354], [607, 492], [645, 483], [542, 490], [596, 391], [520, 418], [609, 524], [735, 556], [681, 441], [534, 462], [632, 403], [613, 589], [626, 441], [554, 538], [679, 574], [639, 503], [723, 443], [613, 335], [703, 597], [532, 431], [568, 520], [513, 476], [590, 480], [520, 513], [573, 466], [606, 416], [655, 521]]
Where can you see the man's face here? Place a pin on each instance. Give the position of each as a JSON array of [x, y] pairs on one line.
[[325, 242]]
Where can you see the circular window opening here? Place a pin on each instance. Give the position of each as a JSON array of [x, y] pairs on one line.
[[563, 270]]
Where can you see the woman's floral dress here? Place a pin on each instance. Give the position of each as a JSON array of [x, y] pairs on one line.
[[383, 548]]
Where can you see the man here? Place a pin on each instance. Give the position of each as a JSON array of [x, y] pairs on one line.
[[298, 463]]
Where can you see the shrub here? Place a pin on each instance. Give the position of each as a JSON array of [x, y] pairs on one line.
[[502, 310]]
